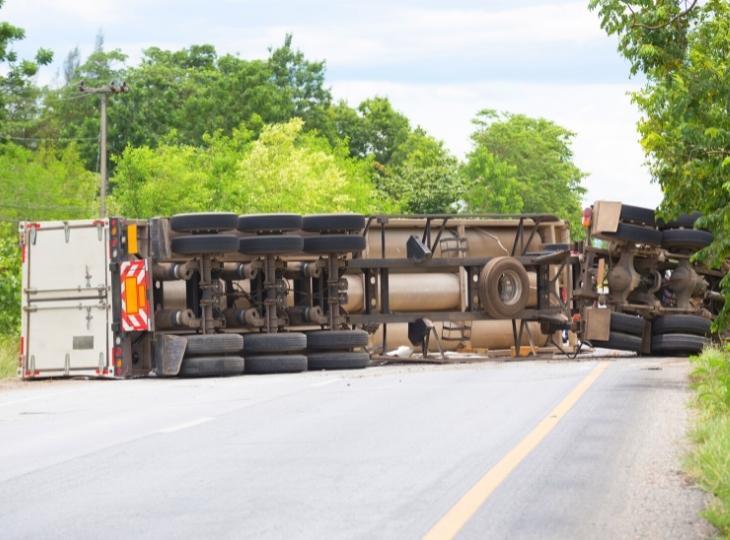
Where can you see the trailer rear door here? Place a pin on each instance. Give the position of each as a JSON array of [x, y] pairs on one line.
[[66, 299]]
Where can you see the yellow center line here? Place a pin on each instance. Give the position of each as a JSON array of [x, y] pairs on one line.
[[455, 519]]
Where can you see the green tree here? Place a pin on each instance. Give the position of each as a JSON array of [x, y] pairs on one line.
[[381, 131], [423, 177], [491, 184], [9, 280], [302, 81], [683, 51], [18, 95], [540, 152], [284, 170]]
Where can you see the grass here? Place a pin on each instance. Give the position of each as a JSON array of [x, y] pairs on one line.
[[8, 356], [709, 461]]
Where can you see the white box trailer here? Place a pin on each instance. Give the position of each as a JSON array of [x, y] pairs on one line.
[[73, 302]]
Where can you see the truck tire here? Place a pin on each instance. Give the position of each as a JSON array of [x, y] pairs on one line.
[[334, 243], [627, 324], [270, 245], [274, 343], [204, 222], [212, 366], [668, 344], [504, 287], [681, 324], [637, 215], [619, 341], [270, 223], [333, 223], [213, 344], [685, 239], [337, 340], [683, 221], [636, 234], [276, 363], [338, 360], [199, 244]]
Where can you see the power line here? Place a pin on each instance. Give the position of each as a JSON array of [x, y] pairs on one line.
[[16, 138], [38, 207]]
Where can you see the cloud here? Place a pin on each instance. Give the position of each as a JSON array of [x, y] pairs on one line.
[[395, 35], [97, 11], [602, 116]]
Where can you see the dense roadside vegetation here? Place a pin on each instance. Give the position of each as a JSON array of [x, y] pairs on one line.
[[8, 356], [709, 462]]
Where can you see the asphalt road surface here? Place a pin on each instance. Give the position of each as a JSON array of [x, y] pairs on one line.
[[496, 450]]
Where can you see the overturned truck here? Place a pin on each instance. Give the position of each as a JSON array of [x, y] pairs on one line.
[[212, 294]]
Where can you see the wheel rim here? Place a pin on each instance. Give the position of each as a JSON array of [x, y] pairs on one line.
[[509, 287]]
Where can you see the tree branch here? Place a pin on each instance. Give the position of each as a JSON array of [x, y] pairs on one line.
[[659, 26]]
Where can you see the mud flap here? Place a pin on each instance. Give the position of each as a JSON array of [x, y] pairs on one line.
[[598, 324], [605, 218], [169, 351]]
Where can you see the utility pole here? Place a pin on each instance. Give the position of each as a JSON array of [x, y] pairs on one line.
[[103, 91]]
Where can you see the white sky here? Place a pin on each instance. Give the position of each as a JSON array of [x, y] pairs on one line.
[[438, 62]]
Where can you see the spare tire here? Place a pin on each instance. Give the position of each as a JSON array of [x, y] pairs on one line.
[[681, 324], [636, 234], [619, 341], [204, 222], [504, 287], [637, 215], [274, 343], [683, 221], [270, 223], [627, 324], [338, 340], [211, 366], [276, 363], [338, 360], [270, 245], [678, 344], [685, 239], [333, 243], [199, 244], [207, 344], [334, 223]]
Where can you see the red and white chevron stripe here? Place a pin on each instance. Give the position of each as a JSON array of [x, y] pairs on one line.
[[139, 320]]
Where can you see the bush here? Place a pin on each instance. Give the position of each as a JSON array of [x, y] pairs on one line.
[[709, 462], [8, 356]]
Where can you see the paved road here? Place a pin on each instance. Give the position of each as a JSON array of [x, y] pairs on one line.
[[380, 453]]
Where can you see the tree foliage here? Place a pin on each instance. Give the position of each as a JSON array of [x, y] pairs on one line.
[[491, 184], [18, 94], [525, 165], [423, 176], [283, 170]]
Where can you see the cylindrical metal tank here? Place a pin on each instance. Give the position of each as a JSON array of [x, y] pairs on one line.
[[479, 241], [493, 335], [420, 292]]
